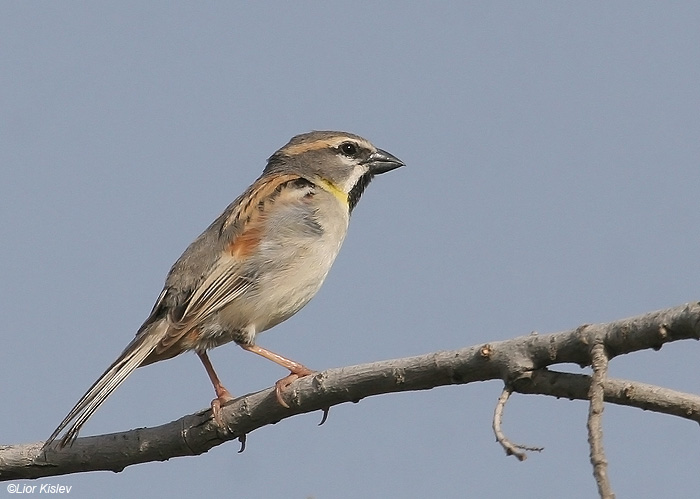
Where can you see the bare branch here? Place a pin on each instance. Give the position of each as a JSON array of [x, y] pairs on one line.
[[617, 391], [596, 395], [511, 448], [520, 362]]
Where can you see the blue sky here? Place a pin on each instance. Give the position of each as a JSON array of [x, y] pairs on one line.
[[552, 180]]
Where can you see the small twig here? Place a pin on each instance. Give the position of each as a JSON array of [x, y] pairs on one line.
[[511, 448], [325, 410], [596, 395]]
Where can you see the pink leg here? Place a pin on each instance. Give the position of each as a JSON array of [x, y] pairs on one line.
[[296, 370], [222, 394]]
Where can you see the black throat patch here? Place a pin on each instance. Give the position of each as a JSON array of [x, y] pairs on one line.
[[357, 190]]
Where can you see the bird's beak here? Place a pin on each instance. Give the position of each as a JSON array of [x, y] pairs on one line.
[[382, 161]]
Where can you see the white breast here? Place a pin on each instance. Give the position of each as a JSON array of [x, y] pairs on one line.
[[301, 243]]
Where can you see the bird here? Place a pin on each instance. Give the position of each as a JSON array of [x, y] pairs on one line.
[[255, 266]]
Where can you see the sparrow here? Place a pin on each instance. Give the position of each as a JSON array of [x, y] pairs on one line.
[[255, 266]]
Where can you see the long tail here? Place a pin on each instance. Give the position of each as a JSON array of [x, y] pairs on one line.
[[131, 358]]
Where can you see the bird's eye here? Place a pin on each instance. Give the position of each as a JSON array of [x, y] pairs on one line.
[[348, 149]]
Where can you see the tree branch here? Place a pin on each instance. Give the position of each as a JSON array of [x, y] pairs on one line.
[[511, 448], [617, 391], [520, 362], [596, 394]]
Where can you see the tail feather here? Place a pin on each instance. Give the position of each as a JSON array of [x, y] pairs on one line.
[[131, 358]]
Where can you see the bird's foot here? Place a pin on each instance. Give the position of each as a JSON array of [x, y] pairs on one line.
[[223, 397], [284, 383]]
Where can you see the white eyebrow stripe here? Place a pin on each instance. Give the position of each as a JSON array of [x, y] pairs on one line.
[[329, 143]]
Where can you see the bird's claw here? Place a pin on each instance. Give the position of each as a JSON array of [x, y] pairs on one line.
[[284, 383], [216, 404]]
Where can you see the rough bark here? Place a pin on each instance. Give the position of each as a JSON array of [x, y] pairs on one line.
[[522, 363]]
